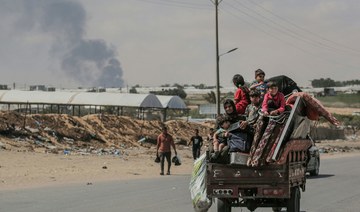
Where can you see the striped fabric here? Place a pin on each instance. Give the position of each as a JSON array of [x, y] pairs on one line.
[[314, 108]]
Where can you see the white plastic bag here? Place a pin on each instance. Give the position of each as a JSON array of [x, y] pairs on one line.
[[197, 186]]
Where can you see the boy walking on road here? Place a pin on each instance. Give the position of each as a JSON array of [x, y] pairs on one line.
[[197, 142]]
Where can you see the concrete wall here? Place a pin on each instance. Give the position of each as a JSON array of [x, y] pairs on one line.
[[323, 133]]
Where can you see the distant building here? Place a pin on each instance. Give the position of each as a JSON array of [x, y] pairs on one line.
[[3, 87], [329, 92], [101, 89], [210, 110], [37, 88], [51, 89]]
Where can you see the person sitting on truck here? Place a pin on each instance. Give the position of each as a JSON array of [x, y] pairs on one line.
[[230, 111], [252, 112], [221, 135], [238, 135], [210, 137], [274, 101], [241, 96], [259, 83]]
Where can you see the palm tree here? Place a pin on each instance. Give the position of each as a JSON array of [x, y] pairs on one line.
[[210, 97]]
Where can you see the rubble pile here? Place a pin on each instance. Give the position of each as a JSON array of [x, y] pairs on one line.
[[97, 133], [338, 149]]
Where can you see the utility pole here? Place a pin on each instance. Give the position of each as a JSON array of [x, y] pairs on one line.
[[217, 2]]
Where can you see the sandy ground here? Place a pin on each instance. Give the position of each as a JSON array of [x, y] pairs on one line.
[[30, 169], [342, 110]]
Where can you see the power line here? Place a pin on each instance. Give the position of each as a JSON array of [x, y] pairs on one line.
[[318, 56], [271, 24], [285, 30], [303, 29]]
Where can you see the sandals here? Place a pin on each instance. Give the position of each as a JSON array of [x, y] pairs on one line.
[[167, 173]]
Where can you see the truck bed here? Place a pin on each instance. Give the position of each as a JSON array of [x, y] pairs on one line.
[[271, 181]]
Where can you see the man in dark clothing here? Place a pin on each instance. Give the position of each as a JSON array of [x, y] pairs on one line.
[[197, 143]]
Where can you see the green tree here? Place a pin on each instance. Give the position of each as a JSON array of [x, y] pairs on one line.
[[178, 86], [322, 83], [133, 90], [171, 92], [210, 97]]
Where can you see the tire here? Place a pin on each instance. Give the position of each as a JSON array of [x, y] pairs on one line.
[[276, 209], [223, 205], [316, 170], [293, 204]]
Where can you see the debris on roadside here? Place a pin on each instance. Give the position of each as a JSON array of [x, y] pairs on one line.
[[91, 134]]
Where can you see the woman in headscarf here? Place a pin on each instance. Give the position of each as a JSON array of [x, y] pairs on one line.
[[230, 111], [232, 116]]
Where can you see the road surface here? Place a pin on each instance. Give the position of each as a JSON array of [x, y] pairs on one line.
[[336, 189]]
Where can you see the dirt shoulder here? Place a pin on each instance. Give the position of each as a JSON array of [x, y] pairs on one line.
[[30, 169]]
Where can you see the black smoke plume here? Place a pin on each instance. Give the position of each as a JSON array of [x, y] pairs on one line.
[[90, 62]]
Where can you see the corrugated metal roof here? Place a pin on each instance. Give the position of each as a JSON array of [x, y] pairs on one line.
[[116, 99], [172, 102], [37, 97], [80, 98], [89, 98]]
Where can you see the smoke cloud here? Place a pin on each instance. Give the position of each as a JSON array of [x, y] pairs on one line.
[[90, 62]]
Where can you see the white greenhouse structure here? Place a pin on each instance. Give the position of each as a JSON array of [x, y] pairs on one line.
[[83, 103]]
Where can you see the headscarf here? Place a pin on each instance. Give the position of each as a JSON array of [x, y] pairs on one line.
[[234, 116]]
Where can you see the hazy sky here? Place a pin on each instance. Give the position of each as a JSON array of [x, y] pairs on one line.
[[70, 43]]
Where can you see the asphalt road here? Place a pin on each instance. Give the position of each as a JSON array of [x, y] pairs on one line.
[[336, 189]]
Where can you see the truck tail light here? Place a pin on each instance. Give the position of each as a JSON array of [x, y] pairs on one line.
[[273, 191]]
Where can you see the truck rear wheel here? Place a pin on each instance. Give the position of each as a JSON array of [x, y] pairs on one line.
[[293, 204], [223, 205]]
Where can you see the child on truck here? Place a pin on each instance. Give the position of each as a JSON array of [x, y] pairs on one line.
[[259, 83], [241, 96], [251, 112], [221, 135], [274, 101]]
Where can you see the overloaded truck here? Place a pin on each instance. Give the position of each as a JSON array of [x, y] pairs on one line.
[[272, 174]]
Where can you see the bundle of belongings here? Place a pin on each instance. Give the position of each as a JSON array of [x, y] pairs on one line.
[[271, 134], [198, 186], [176, 160], [285, 84]]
